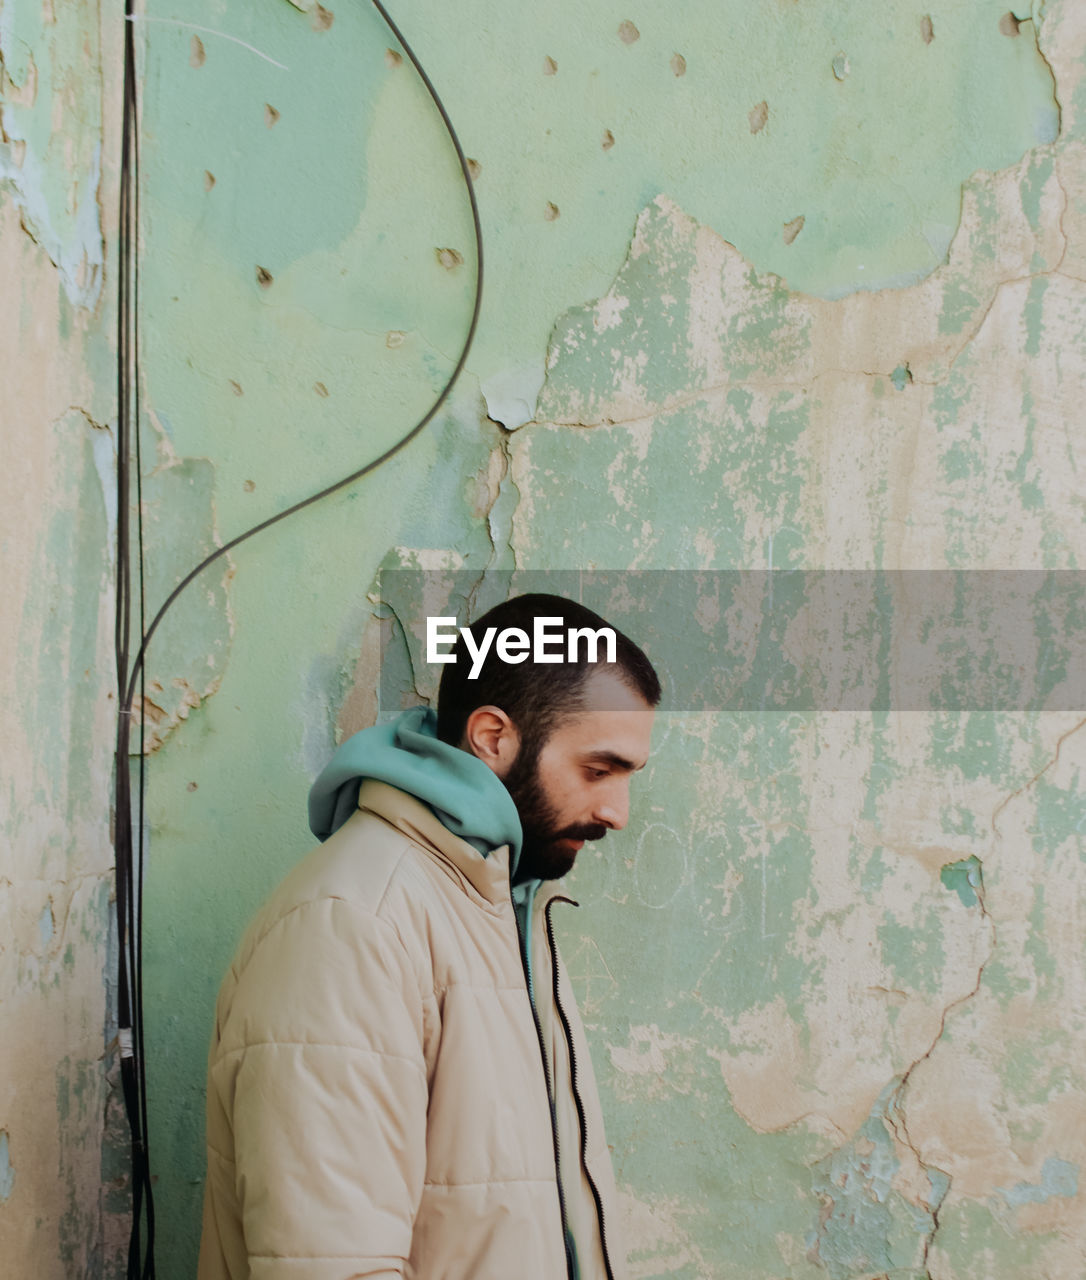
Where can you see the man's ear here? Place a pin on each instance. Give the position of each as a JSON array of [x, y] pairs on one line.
[[492, 736]]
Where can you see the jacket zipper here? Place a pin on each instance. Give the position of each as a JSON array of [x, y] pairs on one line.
[[526, 964], [573, 1083]]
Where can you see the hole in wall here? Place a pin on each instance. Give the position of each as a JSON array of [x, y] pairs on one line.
[[792, 229]]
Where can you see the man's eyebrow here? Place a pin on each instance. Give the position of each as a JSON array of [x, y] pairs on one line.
[[613, 758]]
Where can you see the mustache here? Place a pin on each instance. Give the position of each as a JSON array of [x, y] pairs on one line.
[[582, 831]]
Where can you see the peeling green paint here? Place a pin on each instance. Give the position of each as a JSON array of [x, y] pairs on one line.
[[865, 1225], [964, 879]]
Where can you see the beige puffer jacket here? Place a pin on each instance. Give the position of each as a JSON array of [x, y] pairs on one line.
[[377, 1100]]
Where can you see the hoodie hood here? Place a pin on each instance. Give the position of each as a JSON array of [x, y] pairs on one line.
[[463, 793]]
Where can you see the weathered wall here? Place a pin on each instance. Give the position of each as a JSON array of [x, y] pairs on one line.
[[787, 286], [61, 1206]]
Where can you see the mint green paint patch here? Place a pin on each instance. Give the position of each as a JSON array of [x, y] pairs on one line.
[[1037, 1066], [883, 768], [1045, 963], [1026, 1131], [1060, 813], [874, 868], [974, 743], [1034, 315], [46, 925], [949, 400], [960, 305], [1058, 1178], [964, 879], [915, 950], [1040, 171], [7, 1173], [901, 377]]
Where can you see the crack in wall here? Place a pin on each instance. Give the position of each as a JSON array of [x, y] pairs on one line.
[[499, 522], [898, 1111], [856, 1223], [1036, 777], [1036, 24], [712, 390]]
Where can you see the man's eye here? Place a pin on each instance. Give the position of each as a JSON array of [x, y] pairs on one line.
[[598, 773]]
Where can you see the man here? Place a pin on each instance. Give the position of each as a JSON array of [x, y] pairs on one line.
[[399, 1083]]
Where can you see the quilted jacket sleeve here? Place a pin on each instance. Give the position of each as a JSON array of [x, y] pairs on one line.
[[320, 1076]]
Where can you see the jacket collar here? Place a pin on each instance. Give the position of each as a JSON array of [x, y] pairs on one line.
[[488, 876]]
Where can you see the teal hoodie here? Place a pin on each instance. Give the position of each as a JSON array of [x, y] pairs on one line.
[[464, 794]]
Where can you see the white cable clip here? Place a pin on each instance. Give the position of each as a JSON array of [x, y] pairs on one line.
[[124, 1040]]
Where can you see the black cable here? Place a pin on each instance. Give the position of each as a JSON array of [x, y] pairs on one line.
[[129, 852], [129, 1009]]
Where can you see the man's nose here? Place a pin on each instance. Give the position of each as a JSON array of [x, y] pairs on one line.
[[614, 808]]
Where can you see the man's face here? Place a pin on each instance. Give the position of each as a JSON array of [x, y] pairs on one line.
[[578, 786]]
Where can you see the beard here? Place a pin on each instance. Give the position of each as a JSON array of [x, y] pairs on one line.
[[542, 856]]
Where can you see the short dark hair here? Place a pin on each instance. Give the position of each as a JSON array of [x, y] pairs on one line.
[[533, 695]]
